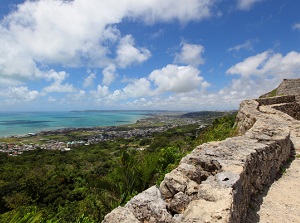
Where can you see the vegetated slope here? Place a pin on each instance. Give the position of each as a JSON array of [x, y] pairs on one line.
[[84, 184], [206, 114]]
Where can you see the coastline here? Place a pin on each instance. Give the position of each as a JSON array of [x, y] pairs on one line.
[[20, 124], [65, 139], [139, 117]]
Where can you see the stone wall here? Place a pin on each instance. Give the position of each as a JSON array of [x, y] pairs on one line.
[[289, 87], [276, 100], [216, 181], [292, 109]]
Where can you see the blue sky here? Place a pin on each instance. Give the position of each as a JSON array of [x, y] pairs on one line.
[[132, 54]]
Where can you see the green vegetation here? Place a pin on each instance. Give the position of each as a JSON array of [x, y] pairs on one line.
[[84, 184], [270, 94], [273, 93], [221, 129]]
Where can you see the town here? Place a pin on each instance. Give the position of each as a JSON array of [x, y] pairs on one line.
[[143, 128]]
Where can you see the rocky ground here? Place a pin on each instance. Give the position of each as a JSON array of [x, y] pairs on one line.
[[280, 203]]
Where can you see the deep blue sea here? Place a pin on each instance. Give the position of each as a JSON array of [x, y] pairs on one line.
[[21, 123]]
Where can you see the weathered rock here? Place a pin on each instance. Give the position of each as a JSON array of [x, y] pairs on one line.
[[289, 87], [179, 202], [192, 172], [176, 182], [150, 207], [211, 190], [202, 211], [276, 100], [292, 109], [120, 215], [247, 115]]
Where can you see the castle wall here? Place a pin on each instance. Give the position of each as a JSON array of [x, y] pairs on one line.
[[215, 182], [289, 87]]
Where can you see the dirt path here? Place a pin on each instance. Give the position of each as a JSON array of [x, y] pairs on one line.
[[280, 203]]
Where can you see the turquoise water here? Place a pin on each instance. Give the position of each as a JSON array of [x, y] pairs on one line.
[[20, 123]]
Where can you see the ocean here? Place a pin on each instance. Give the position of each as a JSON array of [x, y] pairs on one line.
[[21, 123]]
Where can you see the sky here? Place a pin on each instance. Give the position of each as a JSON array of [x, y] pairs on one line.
[[191, 55]]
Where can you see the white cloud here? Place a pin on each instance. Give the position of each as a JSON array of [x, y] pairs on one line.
[[109, 74], [247, 45], [176, 78], [269, 64], [116, 95], [139, 88], [58, 87], [51, 99], [81, 95], [191, 54], [257, 75], [251, 65], [18, 94], [58, 78], [262, 72], [167, 10], [89, 80], [296, 26], [157, 34], [15, 61], [79, 32], [127, 54], [246, 4], [102, 91], [139, 103]]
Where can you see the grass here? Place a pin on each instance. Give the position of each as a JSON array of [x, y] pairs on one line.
[[273, 93], [270, 94], [282, 169]]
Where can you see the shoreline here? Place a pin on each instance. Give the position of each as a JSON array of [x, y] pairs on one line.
[[59, 130], [68, 129], [66, 139], [147, 116]]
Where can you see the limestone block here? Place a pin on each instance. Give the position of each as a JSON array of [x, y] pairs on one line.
[[179, 202], [176, 182], [202, 211], [149, 206], [191, 171], [120, 215], [213, 192]]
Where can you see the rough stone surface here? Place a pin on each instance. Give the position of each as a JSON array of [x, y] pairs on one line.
[[120, 215], [217, 181], [247, 115], [289, 87], [207, 211], [276, 100], [292, 109], [150, 207], [179, 202]]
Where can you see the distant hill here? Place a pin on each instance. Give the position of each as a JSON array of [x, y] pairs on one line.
[[201, 114]]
